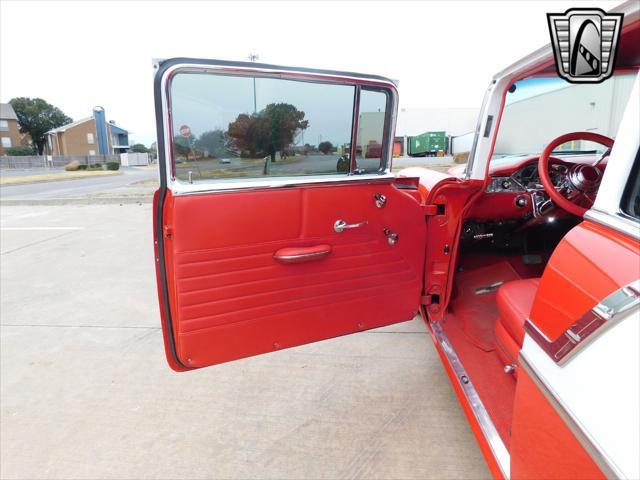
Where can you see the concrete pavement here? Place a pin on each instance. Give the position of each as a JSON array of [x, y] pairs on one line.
[[86, 392], [78, 187]]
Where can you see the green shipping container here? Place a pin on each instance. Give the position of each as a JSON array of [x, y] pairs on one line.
[[427, 143]]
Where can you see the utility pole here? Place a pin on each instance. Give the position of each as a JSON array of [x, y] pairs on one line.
[[253, 57]]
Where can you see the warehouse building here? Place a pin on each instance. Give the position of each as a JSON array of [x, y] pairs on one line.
[[415, 121]]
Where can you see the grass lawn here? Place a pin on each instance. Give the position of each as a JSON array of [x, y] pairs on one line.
[[52, 177]]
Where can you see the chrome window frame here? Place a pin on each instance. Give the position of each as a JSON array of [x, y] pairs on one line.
[[179, 187]]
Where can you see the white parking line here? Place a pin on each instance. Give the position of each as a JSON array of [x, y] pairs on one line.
[[4, 229]]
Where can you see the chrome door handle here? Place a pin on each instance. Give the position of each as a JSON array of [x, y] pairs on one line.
[[341, 225]]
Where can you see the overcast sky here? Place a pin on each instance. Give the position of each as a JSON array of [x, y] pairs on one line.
[[79, 54]]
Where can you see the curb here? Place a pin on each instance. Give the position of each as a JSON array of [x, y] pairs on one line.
[[77, 201]]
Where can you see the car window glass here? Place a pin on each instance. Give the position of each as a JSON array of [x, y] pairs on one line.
[[371, 122], [237, 127]]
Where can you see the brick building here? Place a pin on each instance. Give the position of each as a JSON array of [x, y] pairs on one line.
[[10, 135], [88, 136]]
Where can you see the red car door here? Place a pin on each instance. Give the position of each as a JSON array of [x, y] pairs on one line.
[[261, 243]]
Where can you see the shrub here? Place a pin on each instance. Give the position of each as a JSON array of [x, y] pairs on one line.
[[95, 166], [20, 151], [72, 166], [113, 166], [83, 167]]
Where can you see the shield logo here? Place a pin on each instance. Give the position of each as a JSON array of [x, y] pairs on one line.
[[584, 43]]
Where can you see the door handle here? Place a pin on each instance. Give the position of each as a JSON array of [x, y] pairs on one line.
[[302, 254], [341, 225]]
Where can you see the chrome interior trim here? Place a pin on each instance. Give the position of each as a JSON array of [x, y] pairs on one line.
[[589, 326], [275, 182], [178, 187], [500, 452], [593, 450], [619, 222]]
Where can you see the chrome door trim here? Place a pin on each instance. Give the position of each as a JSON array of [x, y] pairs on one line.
[[620, 222], [498, 449], [589, 326], [592, 448], [180, 188]]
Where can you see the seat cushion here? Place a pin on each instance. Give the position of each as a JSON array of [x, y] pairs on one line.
[[514, 303]]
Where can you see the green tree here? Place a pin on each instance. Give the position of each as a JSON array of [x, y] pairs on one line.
[[212, 143], [272, 129], [36, 117], [184, 145], [138, 148], [325, 147]]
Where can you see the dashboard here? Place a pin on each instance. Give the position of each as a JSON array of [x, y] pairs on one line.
[[526, 179], [515, 191]]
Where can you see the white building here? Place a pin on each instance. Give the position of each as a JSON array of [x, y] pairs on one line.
[[591, 108]]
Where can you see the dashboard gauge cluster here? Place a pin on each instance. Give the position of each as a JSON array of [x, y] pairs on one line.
[[526, 179], [505, 184]]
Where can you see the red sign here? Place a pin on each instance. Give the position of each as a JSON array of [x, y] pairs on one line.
[[185, 131]]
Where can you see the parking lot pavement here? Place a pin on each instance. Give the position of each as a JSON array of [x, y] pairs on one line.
[[86, 392]]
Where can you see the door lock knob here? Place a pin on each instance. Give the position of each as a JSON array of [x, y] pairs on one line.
[[392, 238], [380, 199]]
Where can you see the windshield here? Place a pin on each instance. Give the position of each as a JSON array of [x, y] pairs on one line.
[[538, 110]]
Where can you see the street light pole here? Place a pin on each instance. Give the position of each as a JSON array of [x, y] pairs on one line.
[[253, 57]]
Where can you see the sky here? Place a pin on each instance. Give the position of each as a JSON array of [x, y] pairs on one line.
[[79, 54]]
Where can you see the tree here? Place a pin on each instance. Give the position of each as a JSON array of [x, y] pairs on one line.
[[325, 147], [138, 148], [36, 117], [153, 150], [272, 129], [212, 143], [184, 145]]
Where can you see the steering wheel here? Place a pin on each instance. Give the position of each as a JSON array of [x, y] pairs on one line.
[[581, 181]]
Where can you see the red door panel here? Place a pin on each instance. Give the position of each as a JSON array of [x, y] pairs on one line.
[[230, 297]]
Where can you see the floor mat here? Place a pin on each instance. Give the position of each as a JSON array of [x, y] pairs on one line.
[[475, 302]]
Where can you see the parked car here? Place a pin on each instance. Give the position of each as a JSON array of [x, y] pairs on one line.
[[524, 265]]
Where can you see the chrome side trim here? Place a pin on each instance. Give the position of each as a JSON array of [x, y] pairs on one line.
[[592, 448], [588, 327], [619, 223], [500, 452], [178, 189]]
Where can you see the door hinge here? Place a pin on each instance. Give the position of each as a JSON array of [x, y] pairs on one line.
[[168, 231], [434, 209], [429, 210], [430, 299]]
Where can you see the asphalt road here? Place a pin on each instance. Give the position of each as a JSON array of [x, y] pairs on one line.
[[86, 391], [77, 187]]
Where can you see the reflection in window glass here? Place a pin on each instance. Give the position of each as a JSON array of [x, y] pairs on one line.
[[538, 109], [369, 151], [231, 127]]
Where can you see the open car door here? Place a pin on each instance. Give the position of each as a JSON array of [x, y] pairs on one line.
[[277, 221]]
